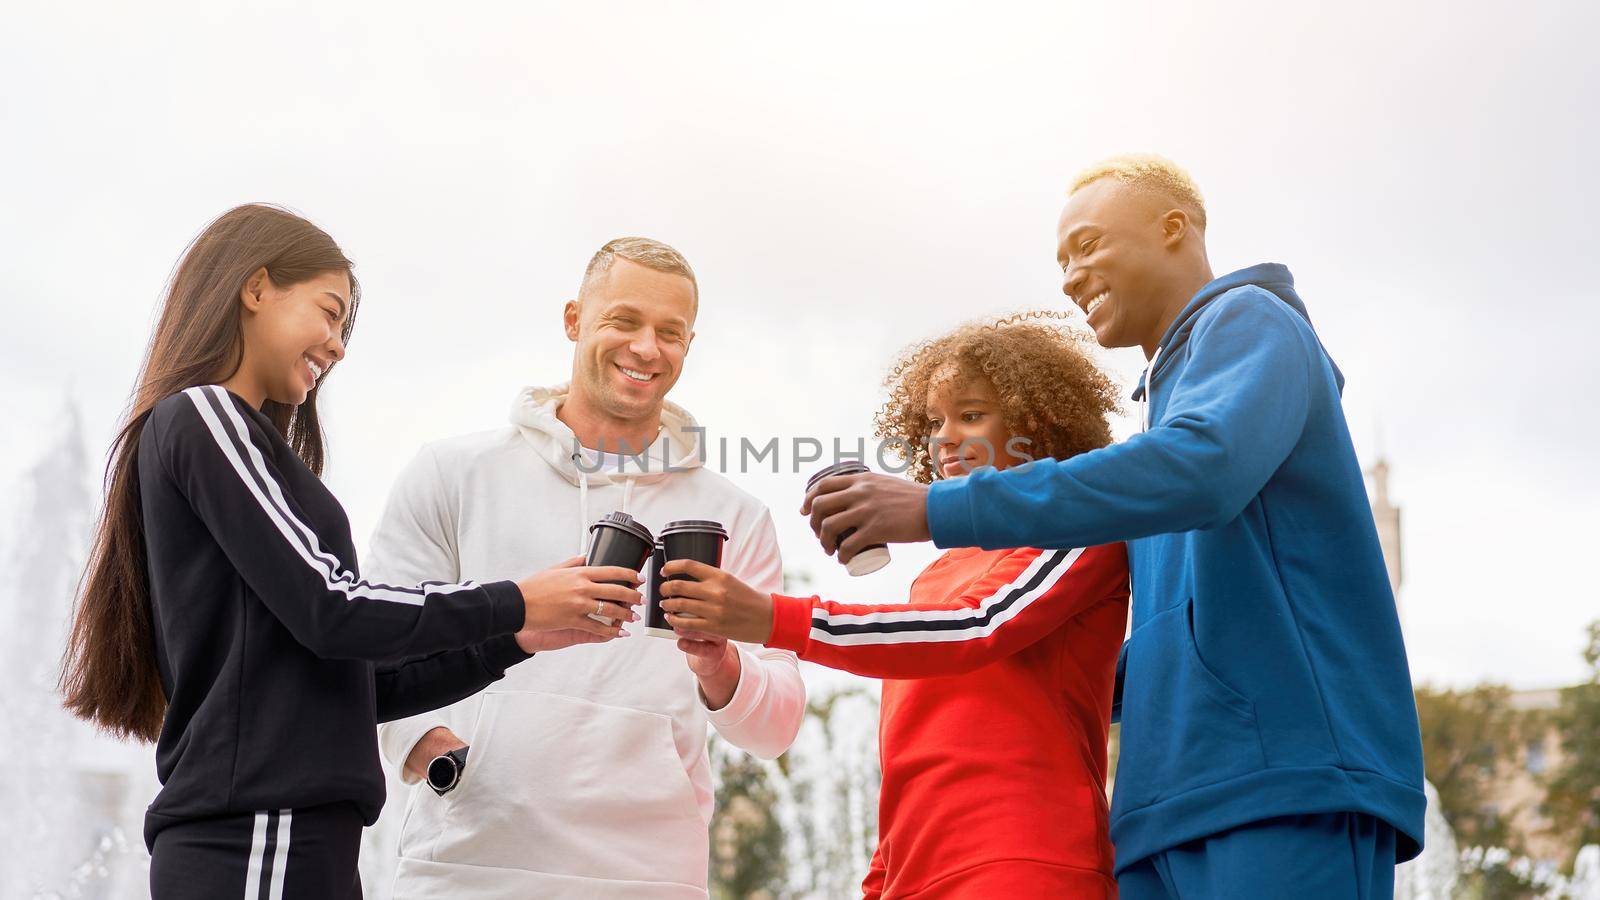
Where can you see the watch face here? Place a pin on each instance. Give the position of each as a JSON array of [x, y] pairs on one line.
[[442, 773]]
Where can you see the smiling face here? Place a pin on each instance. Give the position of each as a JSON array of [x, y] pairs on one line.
[[966, 428], [633, 331], [1127, 261], [292, 334]]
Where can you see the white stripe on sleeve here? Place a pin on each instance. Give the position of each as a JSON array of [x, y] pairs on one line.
[[278, 513], [982, 621]]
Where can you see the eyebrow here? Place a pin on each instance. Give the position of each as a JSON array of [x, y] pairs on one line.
[[342, 305]]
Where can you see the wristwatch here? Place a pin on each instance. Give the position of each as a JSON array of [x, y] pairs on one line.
[[444, 771]]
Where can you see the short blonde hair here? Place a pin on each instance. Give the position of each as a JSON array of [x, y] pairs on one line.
[[651, 254], [1148, 172]]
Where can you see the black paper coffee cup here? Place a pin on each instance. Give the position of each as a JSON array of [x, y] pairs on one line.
[[872, 557], [697, 539], [617, 540]]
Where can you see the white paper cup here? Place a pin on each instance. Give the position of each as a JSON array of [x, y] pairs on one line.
[[868, 561], [872, 558]]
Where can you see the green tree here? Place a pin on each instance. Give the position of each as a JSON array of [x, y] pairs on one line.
[[829, 782], [1496, 882], [1574, 790], [747, 840], [1466, 737]]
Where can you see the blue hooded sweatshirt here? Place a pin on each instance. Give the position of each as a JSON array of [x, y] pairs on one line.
[[1265, 674]]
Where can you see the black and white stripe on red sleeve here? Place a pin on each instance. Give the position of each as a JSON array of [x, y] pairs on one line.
[[913, 625], [1024, 595]]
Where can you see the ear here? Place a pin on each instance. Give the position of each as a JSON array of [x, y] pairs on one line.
[[571, 315], [1175, 226], [688, 343], [254, 287]]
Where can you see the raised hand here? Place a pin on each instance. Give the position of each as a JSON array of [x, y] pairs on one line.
[[566, 596], [882, 509]]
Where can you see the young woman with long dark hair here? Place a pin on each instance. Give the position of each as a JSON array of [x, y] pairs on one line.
[[223, 615]]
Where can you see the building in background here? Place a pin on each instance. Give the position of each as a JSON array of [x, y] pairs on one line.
[[1387, 517], [1517, 781]]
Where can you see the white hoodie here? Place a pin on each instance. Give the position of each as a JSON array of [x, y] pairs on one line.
[[588, 774]]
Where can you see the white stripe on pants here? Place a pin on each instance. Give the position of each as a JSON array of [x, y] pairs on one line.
[[279, 823]]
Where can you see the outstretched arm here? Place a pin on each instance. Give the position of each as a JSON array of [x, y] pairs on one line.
[[1231, 417], [224, 462], [1025, 595]]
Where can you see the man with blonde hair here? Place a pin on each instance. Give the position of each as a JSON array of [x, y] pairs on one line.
[[585, 773], [1269, 736]]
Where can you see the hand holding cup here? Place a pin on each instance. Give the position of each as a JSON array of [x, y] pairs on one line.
[[567, 595], [860, 512], [714, 603]]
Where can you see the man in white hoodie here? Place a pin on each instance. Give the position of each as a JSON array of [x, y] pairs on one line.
[[587, 774]]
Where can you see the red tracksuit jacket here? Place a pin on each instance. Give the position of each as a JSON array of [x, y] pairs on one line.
[[996, 702]]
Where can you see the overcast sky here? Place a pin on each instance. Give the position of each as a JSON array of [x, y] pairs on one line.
[[848, 178]]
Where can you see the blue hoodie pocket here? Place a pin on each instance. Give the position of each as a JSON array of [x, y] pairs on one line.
[[1182, 727]]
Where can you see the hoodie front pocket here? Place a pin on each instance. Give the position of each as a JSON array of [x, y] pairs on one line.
[[564, 786], [1182, 728]]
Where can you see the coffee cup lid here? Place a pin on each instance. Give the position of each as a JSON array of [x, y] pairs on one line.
[[843, 467], [699, 525], [625, 522]]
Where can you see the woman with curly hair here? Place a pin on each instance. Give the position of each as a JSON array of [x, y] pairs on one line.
[[998, 671]]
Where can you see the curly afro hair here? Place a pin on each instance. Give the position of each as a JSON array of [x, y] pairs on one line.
[[1050, 390]]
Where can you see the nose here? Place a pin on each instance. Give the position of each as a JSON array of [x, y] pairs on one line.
[[645, 347], [1072, 281], [335, 347]]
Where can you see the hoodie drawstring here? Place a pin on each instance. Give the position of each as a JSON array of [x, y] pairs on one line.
[[583, 507], [1144, 404], [583, 502]]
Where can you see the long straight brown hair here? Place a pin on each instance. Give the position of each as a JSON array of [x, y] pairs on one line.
[[109, 675]]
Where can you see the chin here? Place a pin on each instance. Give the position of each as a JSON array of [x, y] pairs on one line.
[[1112, 338], [292, 395], [631, 407]]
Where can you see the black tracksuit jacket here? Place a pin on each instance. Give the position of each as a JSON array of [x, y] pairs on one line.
[[269, 643]]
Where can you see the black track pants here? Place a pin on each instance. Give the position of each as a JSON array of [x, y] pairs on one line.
[[270, 855]]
